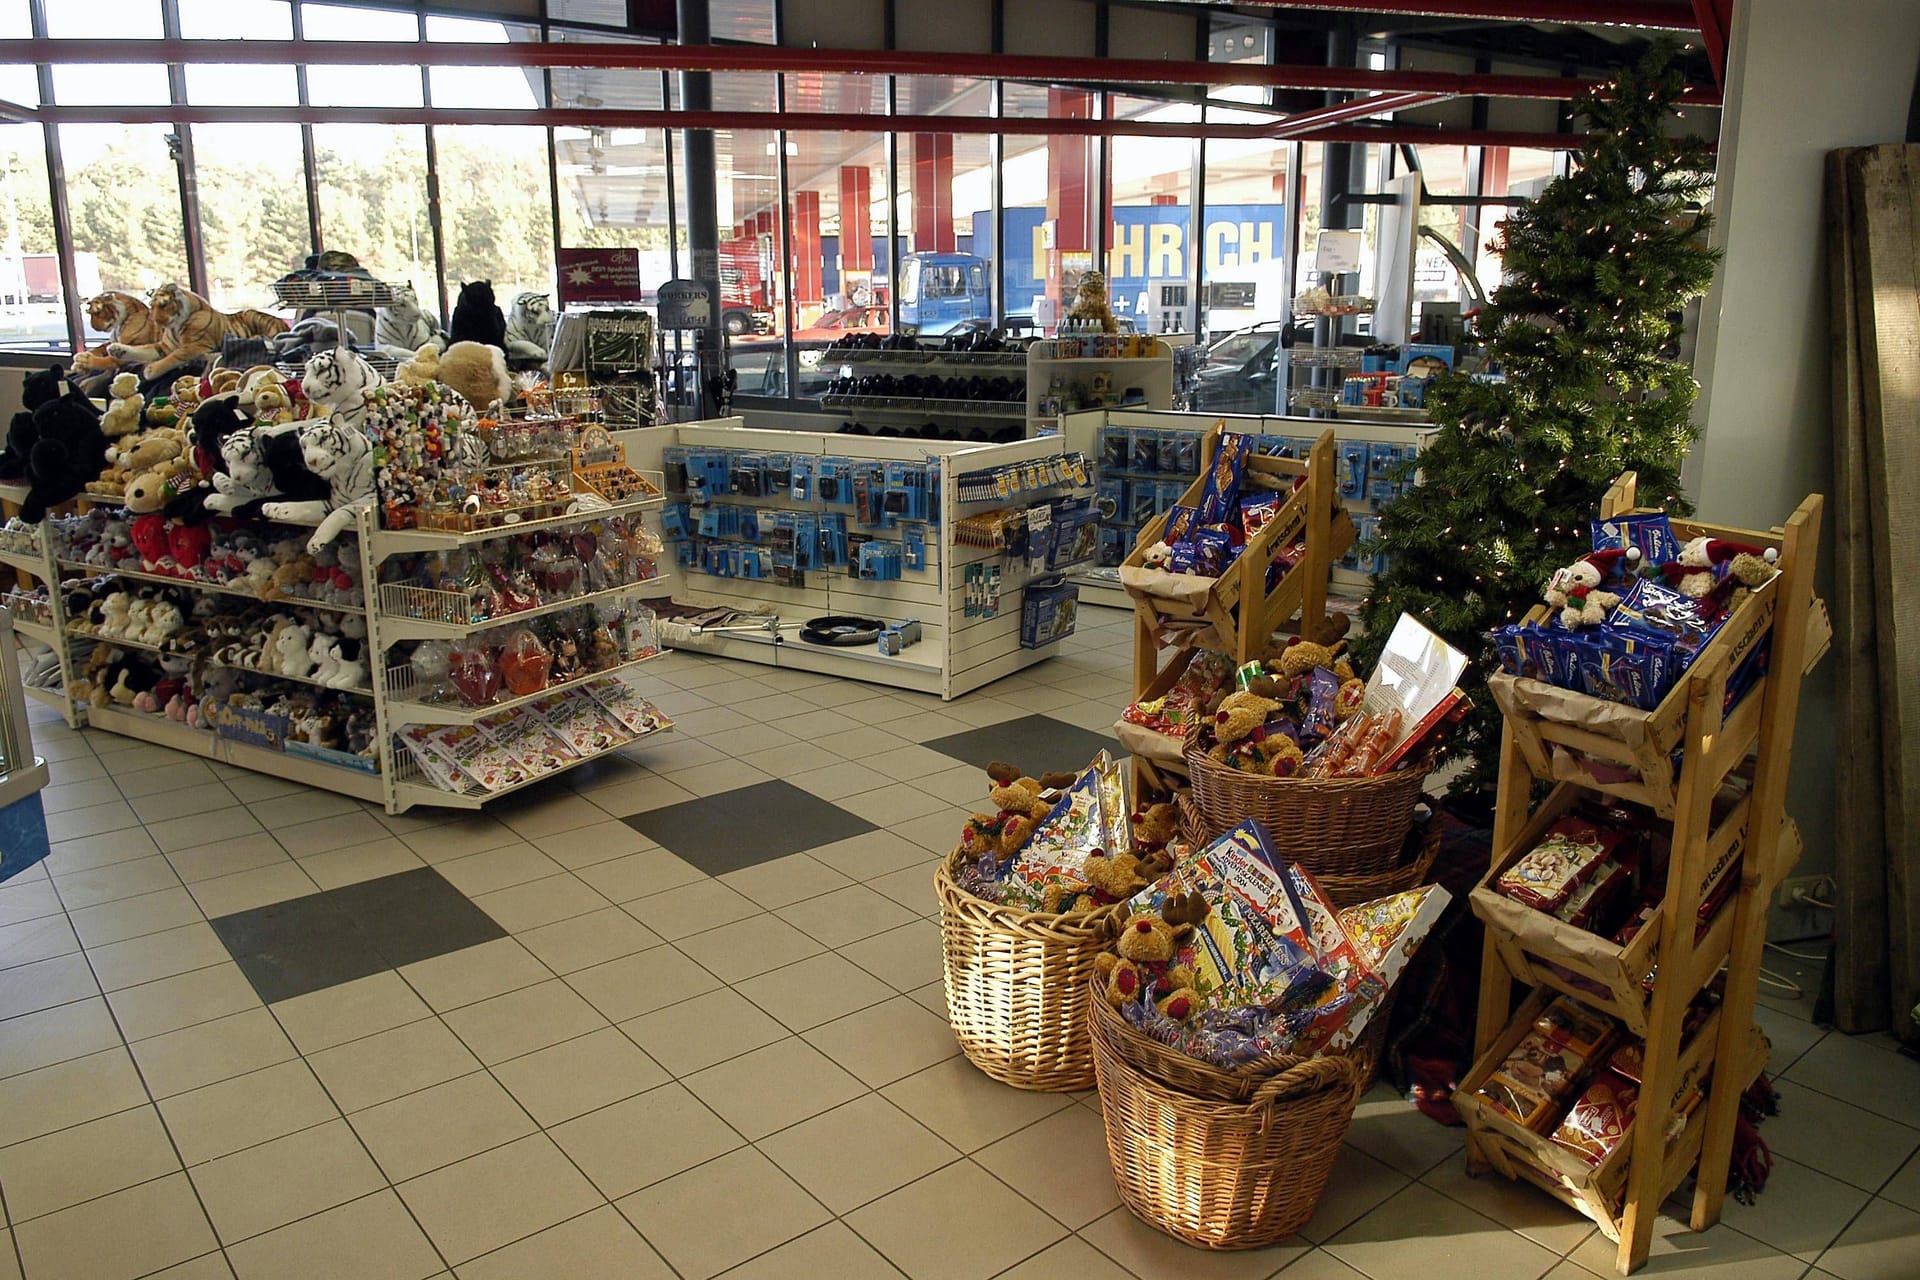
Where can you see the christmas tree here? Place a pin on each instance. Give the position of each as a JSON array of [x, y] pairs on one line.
[[1586, 330]]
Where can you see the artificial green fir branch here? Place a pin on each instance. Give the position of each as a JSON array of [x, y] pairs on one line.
[[1584, 327]]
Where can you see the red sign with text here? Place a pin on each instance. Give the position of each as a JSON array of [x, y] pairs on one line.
[[599, 275]]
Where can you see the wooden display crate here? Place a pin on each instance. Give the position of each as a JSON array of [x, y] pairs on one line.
[[1235, 614], [1599, 1191]]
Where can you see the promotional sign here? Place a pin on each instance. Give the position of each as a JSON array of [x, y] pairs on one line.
[[1337, 252], [599, 275], [685, 304]]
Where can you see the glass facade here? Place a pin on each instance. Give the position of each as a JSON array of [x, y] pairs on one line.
[[821, 233]]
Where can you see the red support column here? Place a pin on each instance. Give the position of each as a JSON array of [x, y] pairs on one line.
[[933, 192], [856, 222], [1069, 203], [806, 249]]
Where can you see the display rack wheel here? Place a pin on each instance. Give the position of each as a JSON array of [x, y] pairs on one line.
[[1016, 984], [1330, 826], [1217, 1173]]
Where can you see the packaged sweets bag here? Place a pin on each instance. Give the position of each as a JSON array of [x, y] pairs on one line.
[[533, 746], [620, 701], [1599, 1119], [436, 761], [1549, 873], [1092, 814]]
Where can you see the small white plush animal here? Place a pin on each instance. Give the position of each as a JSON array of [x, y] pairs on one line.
[[324, 654], [403, 326], [350, 666], [530, 325], [290, 647], [336, 383]]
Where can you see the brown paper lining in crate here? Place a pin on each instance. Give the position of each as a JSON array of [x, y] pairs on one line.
[[1176, 593]]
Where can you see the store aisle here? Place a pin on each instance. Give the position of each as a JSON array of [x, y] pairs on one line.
[[682, 1016]]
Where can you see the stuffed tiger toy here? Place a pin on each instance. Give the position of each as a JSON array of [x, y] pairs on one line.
[[338, 454], [193, 330], [336, 384], [136, 334], [403, 326]]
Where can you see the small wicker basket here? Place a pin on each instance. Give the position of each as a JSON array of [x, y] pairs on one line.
[[1333, 826], [1017, 982], [1344, 890], [1221, 1174]]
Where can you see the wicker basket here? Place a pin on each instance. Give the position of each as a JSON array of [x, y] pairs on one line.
[[1331, 826], [1342, 890], [1222, 1174], [1017, 982]]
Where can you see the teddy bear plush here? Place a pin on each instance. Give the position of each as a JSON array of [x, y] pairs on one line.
[[1021, 807], [1154, 828], [1157, 556], [1705, 563], [124, 412], [1145, 959], [1577, 594], [1091, 305]]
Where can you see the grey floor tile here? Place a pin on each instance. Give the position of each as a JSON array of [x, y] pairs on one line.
[[746, 826]]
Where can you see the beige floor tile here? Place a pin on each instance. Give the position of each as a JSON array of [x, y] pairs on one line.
[[911, 887], [839, 780], [966, 1108], [64, 796], [540, 902], [1149, 1253], [43, 984], [871, 854], [640, 874], [498, 868], [363, 1073], [210, 1052], [157, 955], [245, 890], [74, 1030], [747, 947], [552, 814], [601, 841], [86, 1161], [886, 1042], [235, 1114], [640, 983], [227, 857], [1718, 1253], [1874, 1150], [1360, 1184], [583, 941], [1850, 1067], [636, 795], [1822, 1208], [1881, 1244], [810, 1083], [932, 997], [117, 1237], [782, 881], [1060, 1164], [127, 918], [384, 856], [601, 1245], [721, 776], [305, 805], [335, 1015], [1074, 1259], [68, 1093], [847, 915], [892, 804], [34, 900], [281, 1181], [203, 828], [341, 831], [447, 841], [436, 1127], [164, 806], [519, 1022], [904, 958], [475, 973], [635, 1143], [250, 787], [31, 941], [1904, 1187], [497, 1197], [372, 1238], [1391, 1131], [1517, 1206], [580, 1075], [858, 1152], [96, 885], [722, 1213], [815, 990], [96, 819], [830, 1250], [1398, 1237], [965, 786], [697, 1033], [106, 849], [208, 1266], [154, 1008], [690, 909], [915, 1228]]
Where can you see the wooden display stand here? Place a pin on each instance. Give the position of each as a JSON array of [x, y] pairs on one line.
[[1585, 744], [1238, 615]]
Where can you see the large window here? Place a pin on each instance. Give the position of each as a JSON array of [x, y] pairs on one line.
[[1150, 241], [838, 219], [1241, 239], [253, 209], [372, 194], [123, 198], [32, 313], [1050, 190], [496, 211]]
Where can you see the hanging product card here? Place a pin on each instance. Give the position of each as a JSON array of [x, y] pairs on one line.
[[1039, 537], [1337, 252], [914, 542], [802, 477]]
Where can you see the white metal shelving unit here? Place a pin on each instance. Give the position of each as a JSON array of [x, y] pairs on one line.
[[44, 567], [1151, 374]]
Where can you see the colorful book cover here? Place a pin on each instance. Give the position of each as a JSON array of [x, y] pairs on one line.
[[1091, 814], [580, 723], [479, 757], [621, 702], [528, 740]]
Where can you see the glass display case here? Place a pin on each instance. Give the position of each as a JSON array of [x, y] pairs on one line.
[[23, 823]]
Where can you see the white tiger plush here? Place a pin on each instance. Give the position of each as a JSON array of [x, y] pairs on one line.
[[403, 326], [530, 327], [336, 383], [342, 455]]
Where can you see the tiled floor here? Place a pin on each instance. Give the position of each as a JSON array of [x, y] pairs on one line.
[[676, 1055]]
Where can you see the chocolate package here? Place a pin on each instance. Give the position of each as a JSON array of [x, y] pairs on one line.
[[1221, 493], [1544, 1067], [1599, 1119], [1546, 876], [1093, 813], [1651, 532]]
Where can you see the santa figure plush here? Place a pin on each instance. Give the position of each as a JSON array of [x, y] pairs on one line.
[[1705, 563], [1577, 591]]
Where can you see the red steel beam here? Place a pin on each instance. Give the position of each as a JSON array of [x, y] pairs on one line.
[[1664, 15], [1305, 122], [769, 59], [800, 122], [1716, 24]]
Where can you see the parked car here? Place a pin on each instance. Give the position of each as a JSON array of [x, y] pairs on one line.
[[1241, 371]]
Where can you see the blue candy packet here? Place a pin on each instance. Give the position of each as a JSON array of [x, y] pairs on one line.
[[1651, 532]]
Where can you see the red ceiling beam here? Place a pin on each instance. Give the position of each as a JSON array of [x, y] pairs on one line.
[[1664, 15], [803, 122], [1305, 122], [1716, 25], [769, 59]]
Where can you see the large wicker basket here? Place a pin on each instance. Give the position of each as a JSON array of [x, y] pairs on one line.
[[1344, 890], [1332, 826], [1017, 984], [1215, 1173]]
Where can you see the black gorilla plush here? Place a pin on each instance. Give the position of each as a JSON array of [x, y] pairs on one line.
[[68, 451], [477, 317], [40, 386]]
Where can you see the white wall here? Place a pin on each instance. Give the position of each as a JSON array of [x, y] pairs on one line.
[[1802, 80]]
